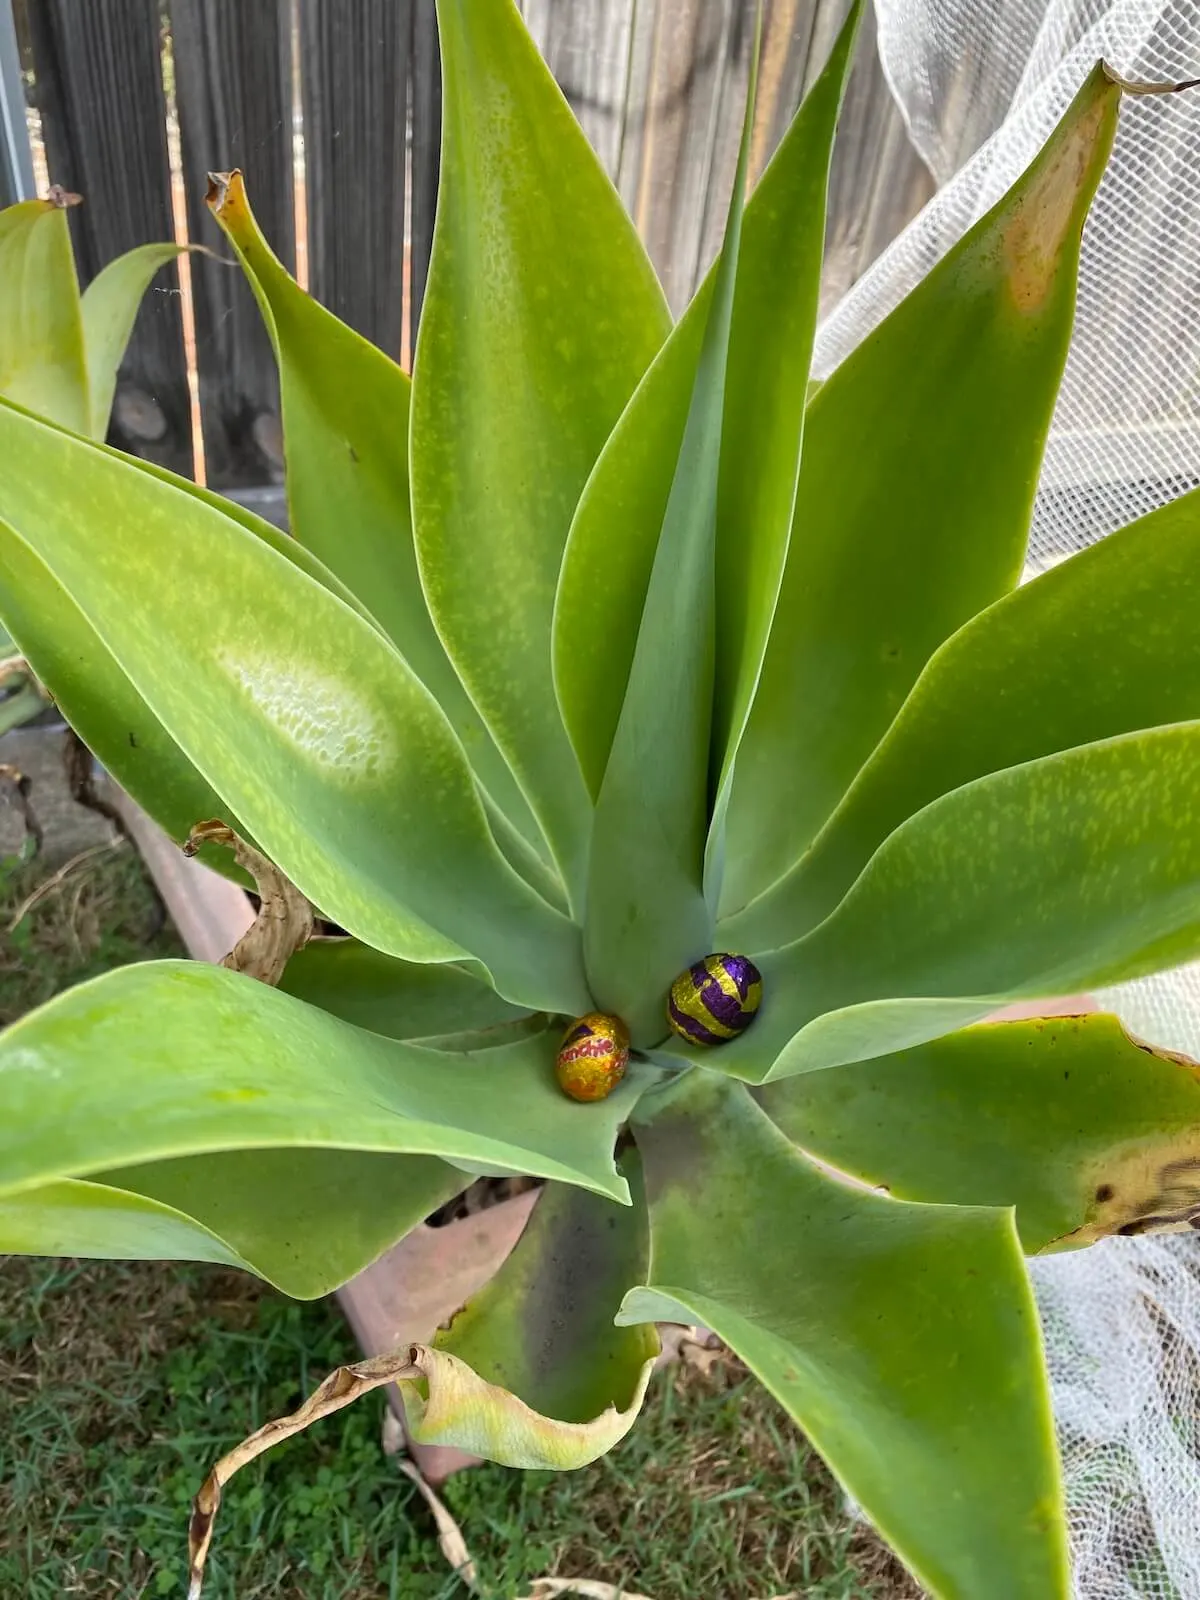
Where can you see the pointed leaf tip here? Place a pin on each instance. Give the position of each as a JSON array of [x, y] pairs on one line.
[[1055, 204], [219, 185]]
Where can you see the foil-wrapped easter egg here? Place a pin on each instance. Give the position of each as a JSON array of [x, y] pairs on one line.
[[715, 1000], [592, 1057]]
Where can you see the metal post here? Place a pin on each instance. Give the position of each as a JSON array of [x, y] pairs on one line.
[[16, 158]]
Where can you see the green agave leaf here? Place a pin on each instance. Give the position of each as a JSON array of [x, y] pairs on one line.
[[282, 543], [542, 1331], [914, 497], [345, 423], [97, 698], [305, 1220], [297, 711], [450, 1405], [1099, 646], [615, 532], [1062, 875], [524, 858], [402, 999], [540, 315], [91, 1220], [109, 308], [42, 363], [1081, 1128], [902, 1338], [647, 916], [173, 1059], [770, 348]]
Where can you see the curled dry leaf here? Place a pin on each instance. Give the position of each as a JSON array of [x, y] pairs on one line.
[[62, 199], [692, 1344], [445, 1403], [339, 1389], [284, 923], [1136, 86]]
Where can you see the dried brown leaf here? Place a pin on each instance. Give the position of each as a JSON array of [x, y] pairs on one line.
[[284, 923], [57, 879], [341, 1388], [585, 1588], [450, 1540]]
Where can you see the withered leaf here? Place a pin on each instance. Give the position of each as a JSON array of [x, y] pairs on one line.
[[341, 1388], [284, 923]]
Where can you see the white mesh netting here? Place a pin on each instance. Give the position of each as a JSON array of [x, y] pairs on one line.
[[981, 83]]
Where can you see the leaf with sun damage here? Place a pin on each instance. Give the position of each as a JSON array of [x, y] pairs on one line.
[[1085, 1131]]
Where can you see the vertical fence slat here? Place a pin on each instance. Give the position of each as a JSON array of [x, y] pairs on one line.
[[658, 85], [878, 182], [426, 102], [233, 71], [98, 83], [355, 71]]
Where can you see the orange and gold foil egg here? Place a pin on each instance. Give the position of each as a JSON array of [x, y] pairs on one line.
[[592, 1057]]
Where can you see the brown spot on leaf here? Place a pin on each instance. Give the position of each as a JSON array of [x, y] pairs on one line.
[[1052, 208], [1153, 1187]]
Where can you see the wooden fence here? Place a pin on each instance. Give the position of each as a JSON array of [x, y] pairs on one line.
[[331, 107]]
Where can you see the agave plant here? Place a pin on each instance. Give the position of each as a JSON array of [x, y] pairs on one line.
[[610, 683], [60, 351]]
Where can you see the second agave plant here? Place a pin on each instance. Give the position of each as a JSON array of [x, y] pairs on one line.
[[666, 736]]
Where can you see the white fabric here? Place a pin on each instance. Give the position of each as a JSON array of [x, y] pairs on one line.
[[981, 83]]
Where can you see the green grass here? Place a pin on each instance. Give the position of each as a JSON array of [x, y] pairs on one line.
[[121, 1384], [102, 912]]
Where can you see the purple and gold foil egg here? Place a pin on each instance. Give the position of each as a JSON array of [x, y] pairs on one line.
[[592, 1057], [715, 999]]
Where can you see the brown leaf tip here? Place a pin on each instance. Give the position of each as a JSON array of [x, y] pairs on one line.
[[214, 831], [1057, 193], [219, 184]]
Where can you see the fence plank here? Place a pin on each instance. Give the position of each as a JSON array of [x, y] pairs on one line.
[[660, 86], [98, 86], [878, 182], [355, 72], [233, 70], [426, 101], [657, 84]]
